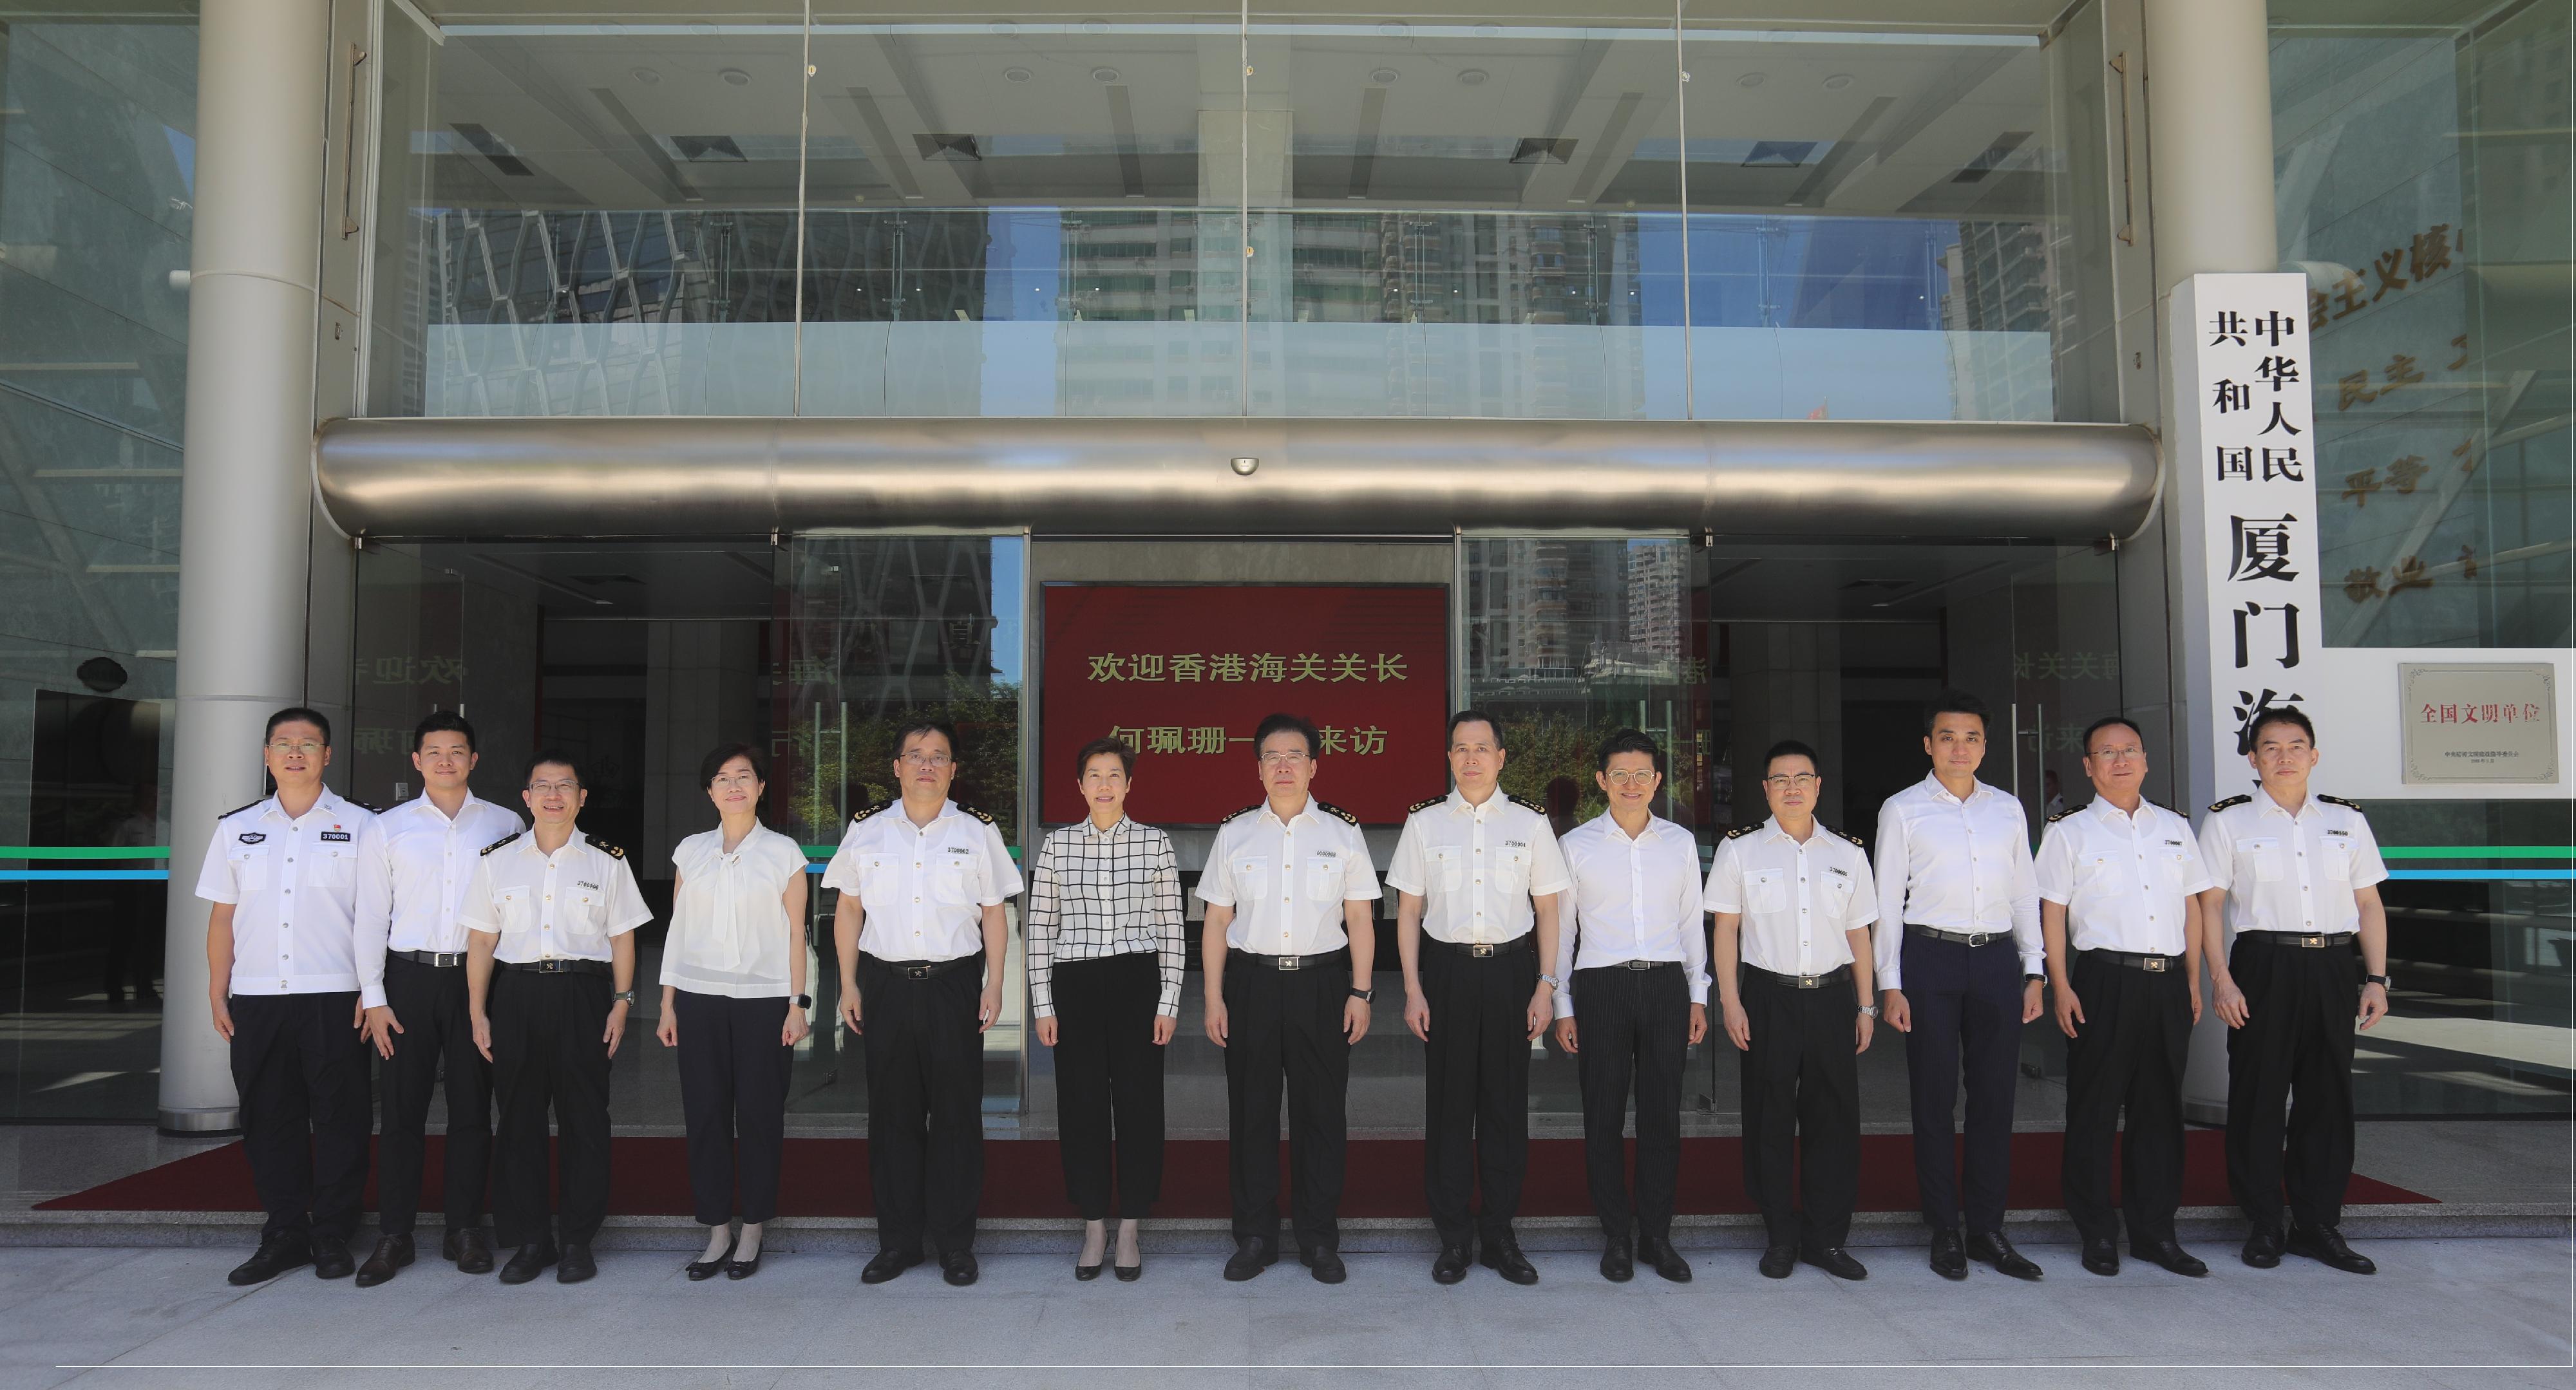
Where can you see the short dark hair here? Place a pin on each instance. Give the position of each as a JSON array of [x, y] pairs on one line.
[[1630, 741], [1105, 748], [1283, 723], [714, 762], [298, 714], [558, 758], [903, 734], [1791, 748], [2109, 721], [441, 721], [1472, 715], [1954, 702], [2286, 714]]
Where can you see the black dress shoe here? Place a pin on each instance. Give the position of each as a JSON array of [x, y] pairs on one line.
[[468, 1248], [2324, 1244], [1618, 1261], [2170, 1254], [1779, 1262], [273, 1258], [958, 1268], [1251, 1256], [1992, 1248], [1836, 1261], [1086, 1273], [1503, 1256], [2101, 1256], [700, 1271], [530, 1261], [392, 1253], [1668, 1262], [1451, 1266], [331, 1259], [1129, 1274], [1326, 1263], [577, 1264], [2262, 1247], [743, 1269], [888, 1264], [1949, 1257]]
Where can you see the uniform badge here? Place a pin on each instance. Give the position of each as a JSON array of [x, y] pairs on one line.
[[340, 835], [252, 837]]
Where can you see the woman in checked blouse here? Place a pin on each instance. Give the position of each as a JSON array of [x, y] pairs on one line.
[[1105, 954]]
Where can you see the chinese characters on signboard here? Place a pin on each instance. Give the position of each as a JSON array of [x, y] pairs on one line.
[[2480, 723]]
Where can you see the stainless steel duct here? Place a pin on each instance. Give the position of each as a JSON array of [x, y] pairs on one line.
[[731, 476]]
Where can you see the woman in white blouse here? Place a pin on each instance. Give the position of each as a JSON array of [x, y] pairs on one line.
[[734, 1004]]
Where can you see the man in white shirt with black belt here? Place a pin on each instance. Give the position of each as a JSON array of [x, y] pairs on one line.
[[1288, 948], [1478, 876], [282, 959], [922, 939], [1634, 958], [2116, 880], [1960, 968], [414, 863]]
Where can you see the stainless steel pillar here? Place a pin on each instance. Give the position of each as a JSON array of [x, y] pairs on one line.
[[262, 67]]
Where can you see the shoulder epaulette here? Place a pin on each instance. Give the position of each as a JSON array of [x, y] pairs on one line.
[[2338, 801], [228, 815], [1248, 810], [1741, 831], [1330, 809], [1855, 839], [965, 810], [1424, 804], [2071, 810], [868, 810], [2231, 801], [604, 847], [1524, 803], [364, 806], [496, 844]]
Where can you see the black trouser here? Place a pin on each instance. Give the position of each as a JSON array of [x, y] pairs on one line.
[[733, 1091], [437, 1034], [2294, 1053], [547, 1053], [1801, 1108], [1109, 1082], [1287, 1022], [2127, 1053], [1966, 1002], [925, 1102], [301, 1073], [1475, 1085], [1632, 1026]]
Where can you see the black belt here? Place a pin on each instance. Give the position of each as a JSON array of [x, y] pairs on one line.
[[1836, 975], [1637, 965], [2135, 960], [2311, 940], [1964, 938], [559, 966], [1480, 950], [1328, 958], [442, 960], [923, 969]]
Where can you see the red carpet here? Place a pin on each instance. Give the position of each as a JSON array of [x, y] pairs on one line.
[[828, 1177]]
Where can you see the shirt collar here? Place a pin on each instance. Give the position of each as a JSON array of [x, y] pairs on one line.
[[2102, 807], [1772, 829], [1610, 826], [2263, 797], [421, 804], [328, 803], [1978, 790], [1116, 828], [1458, 801], [1306, 812]]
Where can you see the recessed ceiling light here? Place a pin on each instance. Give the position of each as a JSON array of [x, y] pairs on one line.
[[648, 77], [1472, 77], [1838, 81], [1750, 79], [1383, 76], [735, 77], [1104, 74], [1016, 74]]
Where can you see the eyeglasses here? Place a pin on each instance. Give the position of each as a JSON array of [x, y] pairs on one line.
[[933, 761], [1625, 778], [739, 779], [1801, 781], [551, 788], [285, 747], [2123, 752], [1278, 758]]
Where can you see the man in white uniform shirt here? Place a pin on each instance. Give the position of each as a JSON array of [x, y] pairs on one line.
[[1477, 876], [1288, 947], [1794, 901], [2116, 880], [414, 863], [1634, 959], [922, 940], [550, 918], [282, 959], [2298, 880], [1960, 970]]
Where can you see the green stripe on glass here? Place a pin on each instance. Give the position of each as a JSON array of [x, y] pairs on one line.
[[84, 851]]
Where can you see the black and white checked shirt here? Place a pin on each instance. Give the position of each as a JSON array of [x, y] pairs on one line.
[[1101, 893]]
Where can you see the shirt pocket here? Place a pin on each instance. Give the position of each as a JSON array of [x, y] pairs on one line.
[[2098, 869], [1766, 890], [514, 906], [2177, 868], [2337, 852], [1323, 879], [1448, 868], [335, 864], [1512, 869], [2263, 857], [249, 866], [952, 880], [1251, 878], [1838, 895], [877, 882]]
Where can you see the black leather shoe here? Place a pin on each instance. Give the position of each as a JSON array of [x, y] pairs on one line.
[[2101, 1256], [2170, 1254], [1668, 1262], [700, 1271], [468, 1248], [1836, 1261], [2324, 1244], [743, 1269], [1503, 1256], [528, 1263], [1779, 1262], [1618, 1261], [2262, 1247], [1451, 1266], [273, 1258], [1327, 1264], [577, 1264], [1949, 1257], [331, 1259], [392, 1253], [1129, 1274], [958, 1268], [1251, 1256], [888, 1264], [1992, 1248], [1086, 1273]]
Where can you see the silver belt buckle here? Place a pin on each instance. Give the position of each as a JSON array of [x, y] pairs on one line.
[[1978, 938], [2154, 964], [1640, 964], [1480, 949], [916, 972], [552, 966], [1288, 963]]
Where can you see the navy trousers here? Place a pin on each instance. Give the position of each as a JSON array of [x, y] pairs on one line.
[[1966, 1002]]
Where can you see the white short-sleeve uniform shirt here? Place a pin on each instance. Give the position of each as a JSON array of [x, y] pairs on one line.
[[923, 888], [568, 905], [293, 884], [1287, 880], [2122, 878], [1477, 869], [1797, 899], [2290, 872]]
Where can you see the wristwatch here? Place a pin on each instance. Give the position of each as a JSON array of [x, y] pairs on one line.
[[1552, 982], [1870, 1009], [2383, 981], [1363, 994], [2035, 979], [803, 1001], [624, 996]]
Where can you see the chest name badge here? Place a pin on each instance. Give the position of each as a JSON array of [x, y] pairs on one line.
[[1516, 844], [2346, 834], [340, 835], [577, 883], [252, 837], [1838, 873]]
